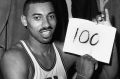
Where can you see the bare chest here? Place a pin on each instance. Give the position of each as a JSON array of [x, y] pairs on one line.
[[46, 61]]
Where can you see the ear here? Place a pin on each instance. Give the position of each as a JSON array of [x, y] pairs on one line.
[[24, 20]]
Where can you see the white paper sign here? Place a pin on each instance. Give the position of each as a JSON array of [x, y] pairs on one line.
[[86, 37]]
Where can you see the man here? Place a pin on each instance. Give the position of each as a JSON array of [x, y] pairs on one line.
[[39, 57]]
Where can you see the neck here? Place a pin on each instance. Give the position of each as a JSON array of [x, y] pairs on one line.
[[39, 48]]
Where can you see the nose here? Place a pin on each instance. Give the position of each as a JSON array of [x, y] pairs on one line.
[[45, 23]]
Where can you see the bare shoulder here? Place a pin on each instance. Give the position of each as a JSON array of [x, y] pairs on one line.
[[13, 61], [68, 58], [13, 56]]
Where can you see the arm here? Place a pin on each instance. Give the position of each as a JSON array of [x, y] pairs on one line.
[[13, 66], [110, 71], [85, 66]]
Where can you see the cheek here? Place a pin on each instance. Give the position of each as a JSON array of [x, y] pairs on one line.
[[53, 23], [35, 25]]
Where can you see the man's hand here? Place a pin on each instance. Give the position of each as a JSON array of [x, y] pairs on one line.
[[85, 66], [103, 18]]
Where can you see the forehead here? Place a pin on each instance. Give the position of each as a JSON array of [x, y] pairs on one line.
[[42, 8]]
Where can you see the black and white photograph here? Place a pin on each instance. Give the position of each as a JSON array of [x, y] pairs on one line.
[[59, 39]]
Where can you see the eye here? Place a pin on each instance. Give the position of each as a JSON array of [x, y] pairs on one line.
[[37, 18], [51, 16]]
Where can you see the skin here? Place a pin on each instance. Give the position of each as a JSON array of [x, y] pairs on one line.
[[41, 23], [109, 71]]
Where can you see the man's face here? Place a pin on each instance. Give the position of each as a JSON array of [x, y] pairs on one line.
[[41, 21]]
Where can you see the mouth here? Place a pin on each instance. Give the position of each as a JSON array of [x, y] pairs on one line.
[[46, 33]]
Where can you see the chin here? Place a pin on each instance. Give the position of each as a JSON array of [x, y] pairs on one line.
[[45, 41]]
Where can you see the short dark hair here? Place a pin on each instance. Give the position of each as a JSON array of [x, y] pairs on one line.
[[28, 2]]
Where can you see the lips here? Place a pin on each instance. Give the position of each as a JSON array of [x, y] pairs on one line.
[[46, 33]]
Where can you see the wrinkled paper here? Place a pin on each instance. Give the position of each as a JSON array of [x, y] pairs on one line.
[[86, 37]]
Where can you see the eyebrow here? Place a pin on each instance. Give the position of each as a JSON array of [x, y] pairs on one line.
[[41, 14], [36, 14], [52, 12]]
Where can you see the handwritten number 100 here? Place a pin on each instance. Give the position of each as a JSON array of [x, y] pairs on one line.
[[89, 39]]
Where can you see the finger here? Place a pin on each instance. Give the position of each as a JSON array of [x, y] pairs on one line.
[[100, 18], [96, 66], [102, 15], [107, 15], [90, 58], [87, 56], [94, 20]]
